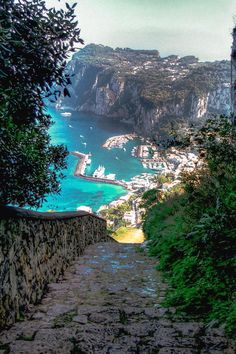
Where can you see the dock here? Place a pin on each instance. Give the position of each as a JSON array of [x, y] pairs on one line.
[[80, 171], [82, 163]]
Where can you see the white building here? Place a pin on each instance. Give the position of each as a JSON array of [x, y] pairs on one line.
[[129, 217], [84, 208]]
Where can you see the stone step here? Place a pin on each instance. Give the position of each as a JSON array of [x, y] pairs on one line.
[[109, 301]]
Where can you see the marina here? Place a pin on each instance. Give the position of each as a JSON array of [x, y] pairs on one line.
[[98, 175], [80, 191]]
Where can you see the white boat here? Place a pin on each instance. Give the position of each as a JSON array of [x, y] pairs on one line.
[[66, 114], [89, 161], [99, 172], [111, 176]]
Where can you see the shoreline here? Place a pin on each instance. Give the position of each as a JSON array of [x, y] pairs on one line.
[[118, 141]]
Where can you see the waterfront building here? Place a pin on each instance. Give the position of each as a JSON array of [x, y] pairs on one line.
[[84, 208]]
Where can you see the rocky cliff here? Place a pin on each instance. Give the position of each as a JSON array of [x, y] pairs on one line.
[[140, 87]]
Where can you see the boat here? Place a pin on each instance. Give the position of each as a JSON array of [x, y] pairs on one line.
[[111, 176], [89, 161], [99, 172], [66, 114]]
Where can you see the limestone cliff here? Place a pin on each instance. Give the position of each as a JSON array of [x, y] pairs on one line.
[[145, 90]]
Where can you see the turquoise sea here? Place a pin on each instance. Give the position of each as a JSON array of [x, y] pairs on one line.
[[87, 133]]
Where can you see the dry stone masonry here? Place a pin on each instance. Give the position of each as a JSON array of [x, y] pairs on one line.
[[35, 248], [109, 302]]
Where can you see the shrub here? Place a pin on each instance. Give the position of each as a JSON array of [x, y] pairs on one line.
[[193, 234], [34, 45]]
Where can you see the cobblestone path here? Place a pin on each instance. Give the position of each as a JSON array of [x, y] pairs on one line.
[[109, 302]]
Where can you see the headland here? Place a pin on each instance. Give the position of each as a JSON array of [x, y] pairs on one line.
[[119, 141]]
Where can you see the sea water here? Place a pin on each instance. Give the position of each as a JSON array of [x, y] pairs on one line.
[[87, 133]]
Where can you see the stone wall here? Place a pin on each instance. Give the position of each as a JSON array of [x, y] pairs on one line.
[[35, 248]]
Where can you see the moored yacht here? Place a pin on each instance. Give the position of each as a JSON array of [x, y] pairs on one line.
[[66, 114], [99, 172]]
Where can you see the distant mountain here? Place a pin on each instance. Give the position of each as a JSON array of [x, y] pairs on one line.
[[144, 89]]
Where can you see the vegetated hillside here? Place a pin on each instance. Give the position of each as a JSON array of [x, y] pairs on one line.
[[192, 231], [144, 89]]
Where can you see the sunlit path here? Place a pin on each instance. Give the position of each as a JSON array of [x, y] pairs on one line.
[[129, 235]]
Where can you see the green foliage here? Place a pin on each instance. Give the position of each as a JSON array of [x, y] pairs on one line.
[[34, 45], [116, 214], [29, 166], [193, 233], [92, 51], [161, 179], [149, 198]]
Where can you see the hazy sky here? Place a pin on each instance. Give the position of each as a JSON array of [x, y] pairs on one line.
[[183, 27]]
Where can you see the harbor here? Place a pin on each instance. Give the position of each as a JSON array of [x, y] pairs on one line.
[[98, 175]]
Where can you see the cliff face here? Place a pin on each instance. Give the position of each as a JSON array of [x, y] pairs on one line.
[[145, 90]]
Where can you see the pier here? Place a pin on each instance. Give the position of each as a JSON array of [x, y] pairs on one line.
[[82, 163], [80, 171]]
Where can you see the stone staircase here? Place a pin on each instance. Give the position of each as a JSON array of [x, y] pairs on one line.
[[108, 302]]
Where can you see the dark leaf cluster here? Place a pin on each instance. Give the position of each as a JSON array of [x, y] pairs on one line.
[[35, 43], [193, 232]]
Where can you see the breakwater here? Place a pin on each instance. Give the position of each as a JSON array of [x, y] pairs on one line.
[[80, 171], [104, 180], [82, 163]]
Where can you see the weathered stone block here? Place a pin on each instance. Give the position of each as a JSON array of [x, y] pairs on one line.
[[35, 248]]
